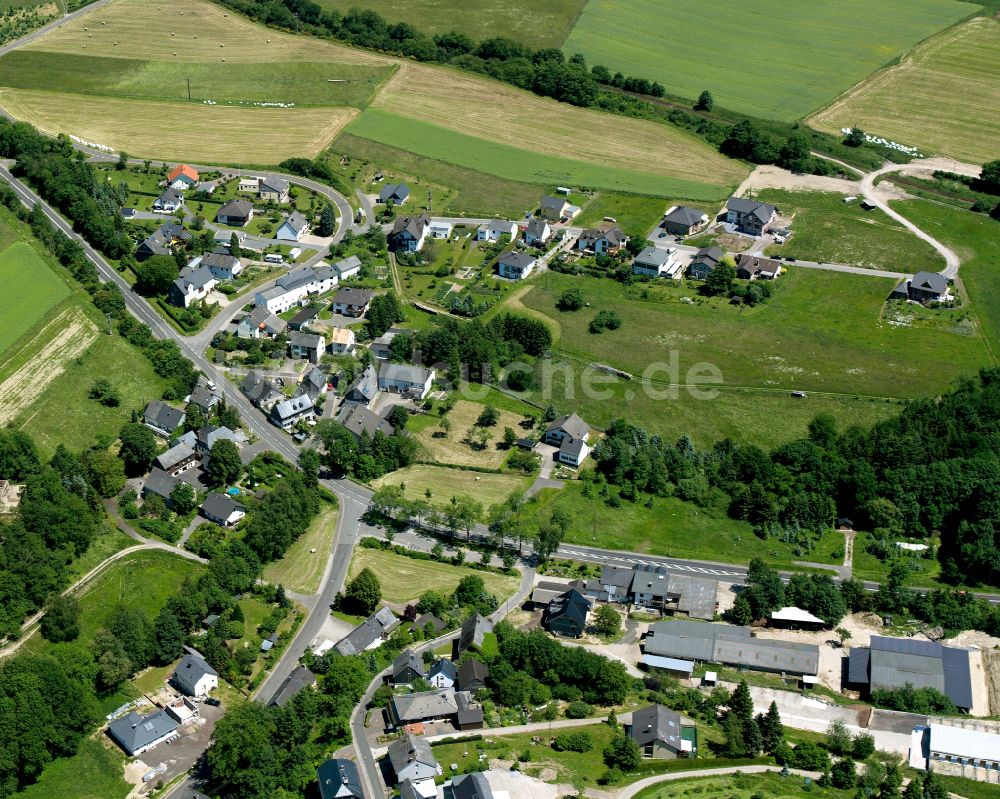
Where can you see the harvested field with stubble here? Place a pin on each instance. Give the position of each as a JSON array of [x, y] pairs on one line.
[[251, 135], [454, 447], [943, 97], [496, 112], [66, 337]]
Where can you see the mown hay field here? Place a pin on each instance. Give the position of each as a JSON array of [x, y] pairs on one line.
[[444, 483], [773, 58], [181, 131], [38, 289], [943, 97], [502, 114]]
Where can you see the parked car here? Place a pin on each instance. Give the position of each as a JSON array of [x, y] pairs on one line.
[[213, 702]]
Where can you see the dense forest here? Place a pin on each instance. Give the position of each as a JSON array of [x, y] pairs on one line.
[[933, 470]]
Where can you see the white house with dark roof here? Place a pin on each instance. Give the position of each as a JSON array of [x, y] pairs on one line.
[[401, 378], [364, 388], [348, 268], [352, 302], [339, 779], [602, 241], [223, 266], [662, 733], [293, 228], [749, 216], [295, 288], [222, 509], [192, 285], [515, 265], [159, 484], [655, 262], [538, 232], [170, 201], [193, 676], [288, 413], [496, 228], [397, 193], [311, 346], [571, 434], [177, 459], [409, 232], [704, 261], [162, 418], [443, 674], [272, 189], [137, 734]]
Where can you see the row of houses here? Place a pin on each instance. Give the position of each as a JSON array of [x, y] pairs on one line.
[[297, 287], [665, 263]]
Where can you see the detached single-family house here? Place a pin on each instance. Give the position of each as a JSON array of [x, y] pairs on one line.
[[177, 459], [300, 679], [235, 213], [288, 413], [443, 674], [222, 265], [440, 229], [654, 262], [341, 341], [352, 302], [261, 323], [472, 675], [571, 434], [348, 268], [159, 484], [408, 233], [162, 241], [182, 177], [137, 734], [401, 378], [662, 733], [556, 209], [250, 183], [704, 261], [473, 633], [204, 397], [749, 216], [303, 317], [397, 193], [260, 391], [168, 202], [538, 232], [495, 229], [339, 779], [194, 677], [423, 706], [369, 634], [566, 614], [683, 221], [515, 265], [307, 345], [602, 241], [364, 388], [753, 267], [208, 435], [222, 509], [273, 189], [314, 384], [407, 667], [293, 228], [412, 759], [573, 452], [925, 287], [162, 418], [357, 419], [193, 285]]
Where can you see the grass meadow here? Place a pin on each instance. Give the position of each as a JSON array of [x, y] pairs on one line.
[[514, 163], [740, 786], [39, 290], [94, 772], [453, 446], [404, 579], [444, 483], [532, 24], [943, 97], [300, 569], [828, 230], [786, 59]]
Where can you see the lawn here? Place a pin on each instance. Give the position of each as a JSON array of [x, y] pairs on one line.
[[452, 447], [821, 331], [94, 772], [740, 786], [300, 570], [444, 483], [798, 56], [531, 24], [634, 214], [942, 97], [404, 579], [65, 414], [39, 290], [671, 528], [828, 230]]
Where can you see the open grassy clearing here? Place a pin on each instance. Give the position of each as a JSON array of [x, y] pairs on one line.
[[531, 24], [671, 528], [94, 772], [453, 447], [109, 540], [444, 483], [634, 214], [301, 83], [468, 104], [943, 97], [456, 190], [404, 579], [202, 32], [300, 570], [513, 163], [739, 786], [793, 57], [151, 129], [820, 331], [828, 230], [39, 289]]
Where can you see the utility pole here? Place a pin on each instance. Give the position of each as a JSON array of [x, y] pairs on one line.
[[189, 89]]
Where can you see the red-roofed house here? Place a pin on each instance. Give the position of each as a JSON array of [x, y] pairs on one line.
[[183, 177]]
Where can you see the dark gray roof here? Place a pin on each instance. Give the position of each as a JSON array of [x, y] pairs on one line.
[[219, 506], [339, 778], [368, 632], [468, 786], [164, 416], [240, 208], [204, 397], [517, 260], [762, 211], [930, 281], [191, 669], [656, 723], [358, 419], [685, 215], [133, 732], [171, 195], [173, 230], [397, 192], [619, 576], [160, 483], [536, 227], [653, 256], [352, 296], [710, 255], [857, 666], [366, 384], [414, 225], [756, 263], [422, 620], [613, 235], [573, 447], [309, 341], [290, 408], [220, 260], [404, 372], [445, 667], [474, 630], [199, 277], [408, 660], [571, 605], [434, 704], [347, 265], [472, 670], [896, 662], [295, 682], [469, 710], [271, 183], [177, 454], [410, 749], [553, 203], [296, 221], [696, 596]]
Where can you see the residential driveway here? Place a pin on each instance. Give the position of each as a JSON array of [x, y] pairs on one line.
[[180, 755], [333, 629], [544, 479]]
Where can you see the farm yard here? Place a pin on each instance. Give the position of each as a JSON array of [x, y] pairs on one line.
[[443, 483], [404, 579], [943, 97], [801, 55]]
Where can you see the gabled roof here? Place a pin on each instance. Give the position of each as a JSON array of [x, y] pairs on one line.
[[238, 208], [755, 264], [654, 257], [296, 222], [359, 419], [182, 169], [468, 786], [309, 341], [164, 416], [366, 383], [410, 749], [553, 203], [413, 225], [536, 227], [710, 255], [160, 483], [571, 605], [347, 265], [352, 296], [170, 195], [382, 621], [656, 723], [408, 660], [220, 260], [271, 183], [930, 281], [763, 211], [433, 704], [422, 620], [286, 409], [176, 454], [133, 732], [498, 226], [572, 424], [404, 373], [474, 630], [517, 260], [397, 192], [220, 506], [472, 670], [191, 669], [618, 576], [573, 447], [684, 215], [295, 682], [338, 779], [895, 662], [172, 230], [445, 667], [197, 278]]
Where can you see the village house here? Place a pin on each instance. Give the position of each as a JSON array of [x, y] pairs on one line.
[[272, 189], [311, 346], [372, 632], [339, 779], [443, 674], [571, 434], [472, 675], [300, 679], [348, 268], [182, 177], [162, 418], [222, 509], [754, 267], [137, 734], [352, 302], [159, 484], [364, 388], [654, 262], [556, 209], [924, 287], [493, 230], [261, 323], [162, 241], [440, 229], [288, 413], [401, 378], [515, 265], [406, 668], [222, 265], [396, 193], [414, 764], [170, 201], [537, 233], [314, 384], [250, 183], [177, 459], [194, 677], [473, 634], [192, 285], [662, 733], [204, 397], [303, 317], [342, 341], [749, 216], [602, 241], [260, 391], [566, 614], [359, 420], [408, 233], [293, 228], [684, 221], [704, 261], [294, 288], [235, 213]]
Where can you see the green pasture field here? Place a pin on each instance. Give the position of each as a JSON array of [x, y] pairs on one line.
[[300, 83], [534, 25], [775, 59], [740, 786], [821, 331], [109, 540], [432, 141], [38, 291], [300, 570], [404, 579], [828, 230], [671, 528], [444, 483], [942, 96], [634, 214], [94, 772]]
